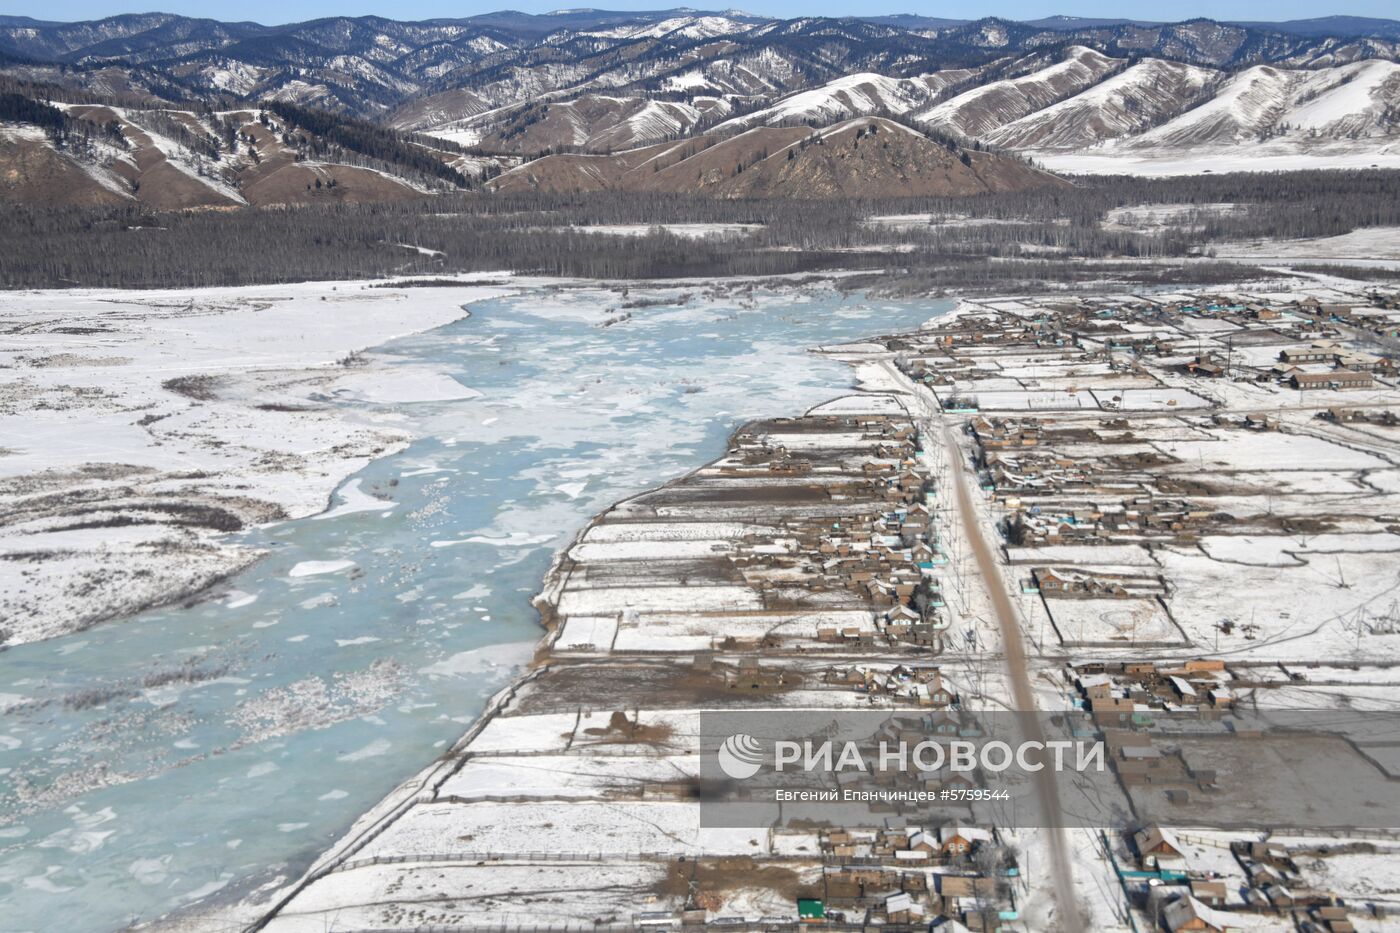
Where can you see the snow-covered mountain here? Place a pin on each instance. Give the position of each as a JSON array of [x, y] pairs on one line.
[[369, 65], [1132, 100], [1264, 102], [702, 26], [1263, 118], [1114, 92], [854, 95], [984, 108]]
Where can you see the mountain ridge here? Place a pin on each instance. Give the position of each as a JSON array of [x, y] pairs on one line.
[[368, 65], [512, 86]]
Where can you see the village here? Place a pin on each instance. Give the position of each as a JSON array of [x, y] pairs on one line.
[[1133, 477], [1193, 504], [1167, 474]]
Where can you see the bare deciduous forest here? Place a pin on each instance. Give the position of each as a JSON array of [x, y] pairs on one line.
[[984, 240]]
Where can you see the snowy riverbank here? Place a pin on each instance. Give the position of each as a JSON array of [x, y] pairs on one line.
[[140, 428]]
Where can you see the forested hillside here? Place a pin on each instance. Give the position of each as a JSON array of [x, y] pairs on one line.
[[59, 148]]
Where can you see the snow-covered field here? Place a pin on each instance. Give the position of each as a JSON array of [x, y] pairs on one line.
[[1261, 157], [140, 427], [1133, 623], [1364, 243]]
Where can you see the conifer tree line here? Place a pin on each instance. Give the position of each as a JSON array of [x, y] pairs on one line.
[[19, 108], [368, 139], [76, 136]]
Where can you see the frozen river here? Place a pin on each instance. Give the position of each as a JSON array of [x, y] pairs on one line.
[[198, 751]]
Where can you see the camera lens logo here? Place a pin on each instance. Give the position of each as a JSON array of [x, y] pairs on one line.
[[740, 756]]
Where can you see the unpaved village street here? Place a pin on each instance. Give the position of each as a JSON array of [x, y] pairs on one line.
[[1013, 650], [933, 424]]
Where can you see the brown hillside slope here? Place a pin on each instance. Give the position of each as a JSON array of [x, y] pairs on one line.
[[155, 179], [171, 159], [578, 173], [863, 157], [707, 164], [32, 172], [872, 157], [293, 183]]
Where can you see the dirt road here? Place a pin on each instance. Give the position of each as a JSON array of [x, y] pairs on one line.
[[1013, 649]]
